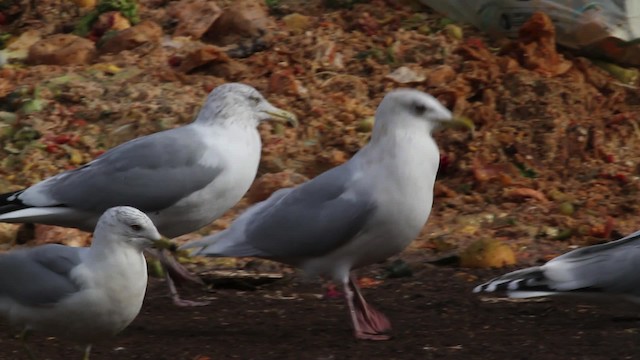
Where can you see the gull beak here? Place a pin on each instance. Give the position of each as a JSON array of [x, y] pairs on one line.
[[460, 122], [282, 115], [164, 244]]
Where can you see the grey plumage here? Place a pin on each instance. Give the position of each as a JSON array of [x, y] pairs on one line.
[[319, 216], [147, 173], [83, 294], [39, 276], [174, 175], [183, 178], [356, 214]]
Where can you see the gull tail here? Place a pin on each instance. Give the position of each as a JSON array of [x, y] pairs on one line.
[[525, 283]]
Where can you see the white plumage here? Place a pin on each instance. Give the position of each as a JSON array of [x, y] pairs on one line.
[[82, 294], [183, 178], [356, 214]]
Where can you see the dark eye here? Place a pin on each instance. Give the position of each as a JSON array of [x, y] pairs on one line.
[[420, 109], [254, 99], [136, 227]]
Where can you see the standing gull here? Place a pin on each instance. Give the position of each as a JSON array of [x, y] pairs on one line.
[[82, 294], [183, 178], [356, 214], [600, 271]]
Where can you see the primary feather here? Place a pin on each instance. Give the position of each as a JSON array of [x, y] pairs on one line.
[[595, 271]]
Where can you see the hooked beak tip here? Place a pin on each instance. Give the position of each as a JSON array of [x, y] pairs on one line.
[[462, 122], [284, 116], [163, 244]]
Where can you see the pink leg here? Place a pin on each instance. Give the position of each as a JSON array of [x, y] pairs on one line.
[[368, 323], [175, 271], [177, 300], [331, 291]]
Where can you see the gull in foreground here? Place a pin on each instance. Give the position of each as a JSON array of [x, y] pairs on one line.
[[82, 294], [600, 271], [183, 178], [356, 214]]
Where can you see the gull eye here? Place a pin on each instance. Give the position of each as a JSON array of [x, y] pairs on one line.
[[254, 99], [419, 109], [136, 227]]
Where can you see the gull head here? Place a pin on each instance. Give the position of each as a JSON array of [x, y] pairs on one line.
[[239, 103], [130, 226], [413, 110]]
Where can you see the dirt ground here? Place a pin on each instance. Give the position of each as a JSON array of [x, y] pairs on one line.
[[434, 316], [553, 164]]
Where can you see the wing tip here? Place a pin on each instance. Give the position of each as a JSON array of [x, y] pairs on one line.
[[525, 280], [11, 202]]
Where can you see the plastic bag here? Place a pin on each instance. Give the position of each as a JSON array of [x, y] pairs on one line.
[[601, 28]]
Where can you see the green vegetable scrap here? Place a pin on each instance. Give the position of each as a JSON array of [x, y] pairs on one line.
[[397, 269], [272, 3], [526, 172], [445, 21], [108, 35], [415, 21], [626, 75], [21, 139], [454, 31], [35, 104], [128, 8], [566, 208], [22, 99], [563, 234], [4, 39]]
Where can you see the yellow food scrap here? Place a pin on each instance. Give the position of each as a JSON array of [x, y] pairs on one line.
[[107, 68], [86, 4], [487, 253], [297, 23]]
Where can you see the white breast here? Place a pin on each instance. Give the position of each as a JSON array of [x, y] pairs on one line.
[[402, 177], [237, 149]]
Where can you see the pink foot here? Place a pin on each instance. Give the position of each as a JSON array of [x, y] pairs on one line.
[[176, 297], [175, 272], [189, 303], [372, 337], [332, 292], [372, 324], [368, 323]]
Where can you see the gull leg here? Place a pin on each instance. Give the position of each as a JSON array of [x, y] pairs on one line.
[[23, 340], [175, 296], [368, 323], [87, 352], [331, 291], [174, 271]]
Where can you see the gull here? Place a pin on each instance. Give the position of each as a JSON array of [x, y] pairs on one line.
[[82, 294], [183, 178], [599, 271], [358, 213]]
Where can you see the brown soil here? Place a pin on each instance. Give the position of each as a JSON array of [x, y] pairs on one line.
[[433, 312], [553, 164]]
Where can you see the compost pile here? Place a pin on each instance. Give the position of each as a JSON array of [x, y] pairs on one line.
[[552, 163]]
